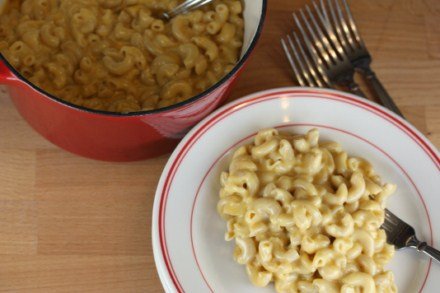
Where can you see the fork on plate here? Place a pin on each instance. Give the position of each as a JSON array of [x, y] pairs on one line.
[[402, 235]]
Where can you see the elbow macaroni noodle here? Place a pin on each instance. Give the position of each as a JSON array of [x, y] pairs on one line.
[[118, 55], [306, 216]]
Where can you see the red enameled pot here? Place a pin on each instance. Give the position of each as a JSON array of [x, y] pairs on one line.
[[123, 137]]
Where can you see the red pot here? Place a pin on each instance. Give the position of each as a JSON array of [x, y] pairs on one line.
[[123, 137]]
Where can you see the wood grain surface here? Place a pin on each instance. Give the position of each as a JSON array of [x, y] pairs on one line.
[[69, 224]]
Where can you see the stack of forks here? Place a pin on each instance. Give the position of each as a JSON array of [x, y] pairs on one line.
[[327, 50]]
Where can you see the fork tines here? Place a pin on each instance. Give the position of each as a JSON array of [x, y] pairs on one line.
[[306, 73], [341, 19], [323, 61], [399, 233]]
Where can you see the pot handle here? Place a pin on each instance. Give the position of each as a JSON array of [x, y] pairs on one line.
[[6, 76]]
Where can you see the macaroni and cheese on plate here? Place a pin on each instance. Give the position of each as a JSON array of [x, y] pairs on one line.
[[306, 216], [119, 55], [189, 236]]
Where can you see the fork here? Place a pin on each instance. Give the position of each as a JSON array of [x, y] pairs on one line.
[[324, 64], [402, 235], [354, 47], [184, 7]]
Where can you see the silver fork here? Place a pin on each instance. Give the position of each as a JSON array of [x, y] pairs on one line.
[[184, 7], [402, 235], [340, 19], [323, 62]]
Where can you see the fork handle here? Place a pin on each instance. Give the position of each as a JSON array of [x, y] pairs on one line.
[[380, 91], [355, 89], [428, 250]]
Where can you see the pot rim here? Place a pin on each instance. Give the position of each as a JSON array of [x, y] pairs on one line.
[[200, 96]]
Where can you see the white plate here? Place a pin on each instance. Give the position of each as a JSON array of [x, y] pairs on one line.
[[190, 252]]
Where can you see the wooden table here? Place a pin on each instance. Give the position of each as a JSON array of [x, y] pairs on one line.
[[69, 224]]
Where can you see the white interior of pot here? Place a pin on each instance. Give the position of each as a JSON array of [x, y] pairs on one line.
[[252, 15]]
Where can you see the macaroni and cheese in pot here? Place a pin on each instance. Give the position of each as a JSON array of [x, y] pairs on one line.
[[119, 55], [306, 216]]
